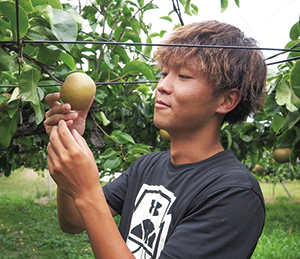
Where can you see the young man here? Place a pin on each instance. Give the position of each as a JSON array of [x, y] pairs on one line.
[[196, 201]]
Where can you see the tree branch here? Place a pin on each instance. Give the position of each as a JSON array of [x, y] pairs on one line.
[[44, 68], [123, 30]]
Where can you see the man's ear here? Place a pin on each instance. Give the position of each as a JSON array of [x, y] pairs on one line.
[[230, 99]]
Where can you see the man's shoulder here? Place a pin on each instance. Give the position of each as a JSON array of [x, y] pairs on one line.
[[229, 172], [154, 157]]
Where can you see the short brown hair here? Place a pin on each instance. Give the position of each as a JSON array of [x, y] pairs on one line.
[[226, 68]]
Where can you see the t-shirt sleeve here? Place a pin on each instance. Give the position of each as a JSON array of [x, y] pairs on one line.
[[115, 192], [226, 224]]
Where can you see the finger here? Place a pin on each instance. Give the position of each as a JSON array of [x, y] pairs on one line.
[[57, 113], [53, 116], [58, 108], [52, 99], [50, 165], [51, 158], [66, 137], [55, 148], [51, 152], [81, 141]]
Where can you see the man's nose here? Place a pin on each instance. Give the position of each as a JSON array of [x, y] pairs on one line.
[[165, 85]]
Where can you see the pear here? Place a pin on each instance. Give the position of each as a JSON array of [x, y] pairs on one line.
[[165, 136], [78, 90]]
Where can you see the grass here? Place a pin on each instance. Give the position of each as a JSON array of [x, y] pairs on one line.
[[29, 227], [281, 236]]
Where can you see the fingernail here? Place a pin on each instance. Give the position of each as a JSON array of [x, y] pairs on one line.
[[73, 115], [56, 95]]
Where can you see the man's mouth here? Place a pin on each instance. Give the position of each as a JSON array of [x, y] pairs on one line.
[[161, 104]]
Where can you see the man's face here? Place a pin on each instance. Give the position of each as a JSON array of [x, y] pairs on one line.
[[184, 101]]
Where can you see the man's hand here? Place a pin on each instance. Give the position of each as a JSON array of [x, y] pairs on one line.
[[71, 162], [74, 119]]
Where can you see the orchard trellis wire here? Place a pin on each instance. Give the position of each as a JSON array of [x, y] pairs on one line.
[[19, 42]]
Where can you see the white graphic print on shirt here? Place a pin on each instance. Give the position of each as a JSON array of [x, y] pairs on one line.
[[150, 221]]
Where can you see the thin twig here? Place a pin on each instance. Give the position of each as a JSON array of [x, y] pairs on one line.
[[104, 132], [43, 67]]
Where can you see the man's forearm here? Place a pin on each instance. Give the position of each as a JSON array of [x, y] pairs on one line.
[[69, 218], [105, 238]]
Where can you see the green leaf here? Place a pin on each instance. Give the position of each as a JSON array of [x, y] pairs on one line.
[[28, 85], [195, 9], [132, 158], [138, 67], [224, 5], [112, 162], [295, 75], [286, 139], [9, 11], [254, 157], [28, 90], [295, 32], [42, 31], [277, 122], [286, 96], [121, 52], [68, 60], [110, 62], [291, 119], [187, 8], [229, 138], [48, 55], [26, 5], [8, 127], [54, 3], [168, 18], [45, 11], [14, 102], [147, 50], [139, 149], [121, 137], [244, 132], [7, 62], [77, 17], [237, 2], [64, 28], [132, 35], [271, 107], [108, 153]]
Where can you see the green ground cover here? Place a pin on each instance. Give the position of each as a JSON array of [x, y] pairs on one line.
[[29, 227]]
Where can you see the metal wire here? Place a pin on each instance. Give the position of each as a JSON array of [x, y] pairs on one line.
[[96, 83], [149, 44], [177, 10]]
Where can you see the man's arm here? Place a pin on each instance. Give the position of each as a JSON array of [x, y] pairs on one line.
[[73, 168], [104, 236], [70, 220]]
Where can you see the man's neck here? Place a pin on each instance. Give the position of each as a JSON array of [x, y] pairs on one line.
[[195, 148]]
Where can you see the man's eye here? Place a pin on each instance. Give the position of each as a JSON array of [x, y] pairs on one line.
[[184, 77], [163, 74]]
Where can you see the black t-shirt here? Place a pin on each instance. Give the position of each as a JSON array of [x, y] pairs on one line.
[[211, 209]]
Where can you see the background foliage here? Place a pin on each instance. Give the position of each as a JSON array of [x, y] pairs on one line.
[[119, 127]]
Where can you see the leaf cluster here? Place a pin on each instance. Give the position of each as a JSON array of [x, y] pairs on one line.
[[119, 127]]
